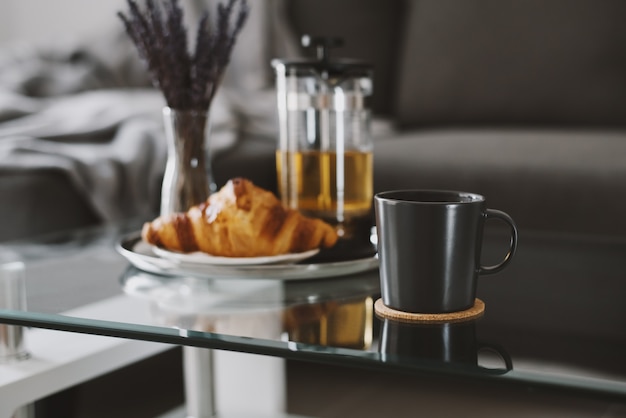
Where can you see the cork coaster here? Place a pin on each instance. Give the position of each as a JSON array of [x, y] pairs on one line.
[[474, 312]]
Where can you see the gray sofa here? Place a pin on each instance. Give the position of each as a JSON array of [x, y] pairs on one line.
[[521, 101]]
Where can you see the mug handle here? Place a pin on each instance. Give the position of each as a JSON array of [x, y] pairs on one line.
[[498, 214]]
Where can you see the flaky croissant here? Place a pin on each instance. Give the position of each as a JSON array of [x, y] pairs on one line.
[[241, 220]]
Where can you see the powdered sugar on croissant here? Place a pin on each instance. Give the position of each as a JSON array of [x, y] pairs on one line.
[[241, 220]]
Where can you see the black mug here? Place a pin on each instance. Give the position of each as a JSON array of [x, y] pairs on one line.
[[429, 246]]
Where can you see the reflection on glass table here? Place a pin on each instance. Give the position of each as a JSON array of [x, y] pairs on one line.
[[310, 316]]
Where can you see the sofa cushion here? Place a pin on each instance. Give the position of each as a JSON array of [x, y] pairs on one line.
[[40, 201], [552, 180], [513, 62]]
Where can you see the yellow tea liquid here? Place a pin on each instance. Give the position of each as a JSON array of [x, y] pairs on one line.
[[324, 185]]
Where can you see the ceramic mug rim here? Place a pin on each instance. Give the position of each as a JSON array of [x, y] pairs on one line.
[[439, 197]]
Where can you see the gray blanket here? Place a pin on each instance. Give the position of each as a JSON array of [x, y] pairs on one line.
[[87, 109]]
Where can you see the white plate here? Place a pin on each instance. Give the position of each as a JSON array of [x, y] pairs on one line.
[[142, 256], [203, 258]]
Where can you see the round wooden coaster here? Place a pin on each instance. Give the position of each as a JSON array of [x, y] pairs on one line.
[[474, 312]]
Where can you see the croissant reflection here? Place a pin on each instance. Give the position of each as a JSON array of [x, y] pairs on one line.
[[449, 343], [346, 324]]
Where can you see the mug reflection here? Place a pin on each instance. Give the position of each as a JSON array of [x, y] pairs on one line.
[[448, 343]]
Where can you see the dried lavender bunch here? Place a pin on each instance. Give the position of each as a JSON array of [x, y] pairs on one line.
[[188, 80]]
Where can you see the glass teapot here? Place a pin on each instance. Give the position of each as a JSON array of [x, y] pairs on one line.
[[324, 157]]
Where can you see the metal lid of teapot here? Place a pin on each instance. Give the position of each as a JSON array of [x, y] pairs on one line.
[[322, 83], [331, 70]]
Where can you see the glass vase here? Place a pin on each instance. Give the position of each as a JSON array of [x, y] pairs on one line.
[[188, 179]]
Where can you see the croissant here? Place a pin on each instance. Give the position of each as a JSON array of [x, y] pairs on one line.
[[240, 220]]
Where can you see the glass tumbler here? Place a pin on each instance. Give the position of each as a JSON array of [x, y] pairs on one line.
[[12, 297]]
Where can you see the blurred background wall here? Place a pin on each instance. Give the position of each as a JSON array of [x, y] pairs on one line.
[[56, 20]]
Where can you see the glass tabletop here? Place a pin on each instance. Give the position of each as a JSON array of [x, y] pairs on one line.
[[555, 318]]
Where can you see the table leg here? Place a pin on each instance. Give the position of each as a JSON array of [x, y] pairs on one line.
[[199, 382]]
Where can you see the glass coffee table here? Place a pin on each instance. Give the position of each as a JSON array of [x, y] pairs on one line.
[[555, 320]]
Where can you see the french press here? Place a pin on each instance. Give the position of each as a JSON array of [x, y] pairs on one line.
[[324, 158]]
